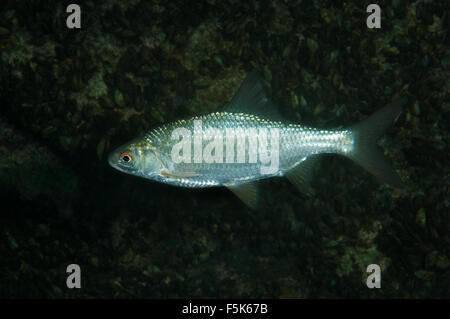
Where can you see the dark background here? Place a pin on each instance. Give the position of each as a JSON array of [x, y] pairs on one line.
[[67, 97]]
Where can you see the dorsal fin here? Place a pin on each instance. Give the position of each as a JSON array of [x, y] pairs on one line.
[[252, 99]]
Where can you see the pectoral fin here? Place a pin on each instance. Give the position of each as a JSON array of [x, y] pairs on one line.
[[247, 192], [169, 174]]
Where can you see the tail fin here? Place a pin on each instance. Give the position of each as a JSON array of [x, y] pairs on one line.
[[365, 151]]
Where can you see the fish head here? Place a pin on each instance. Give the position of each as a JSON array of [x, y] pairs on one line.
[[137, 158]]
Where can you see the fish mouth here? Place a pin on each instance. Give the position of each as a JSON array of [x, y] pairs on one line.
[[113, 160], [110, 159]]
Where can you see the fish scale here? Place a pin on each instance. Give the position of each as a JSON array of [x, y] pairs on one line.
[[296, 142], [210, 157]]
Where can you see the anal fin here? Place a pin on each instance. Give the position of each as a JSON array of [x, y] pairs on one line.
[[247, 192], [301, 174]]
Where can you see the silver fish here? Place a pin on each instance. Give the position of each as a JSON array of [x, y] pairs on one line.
[[249, 141]]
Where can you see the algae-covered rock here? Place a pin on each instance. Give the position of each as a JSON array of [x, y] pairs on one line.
[[68, 96]]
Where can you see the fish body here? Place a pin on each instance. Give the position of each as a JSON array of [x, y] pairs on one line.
[[249, 141], [296, 143]]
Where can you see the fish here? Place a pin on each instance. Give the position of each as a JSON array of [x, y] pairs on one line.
[[249, 141]]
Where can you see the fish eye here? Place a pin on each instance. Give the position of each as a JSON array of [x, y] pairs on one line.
[[126, 157]]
